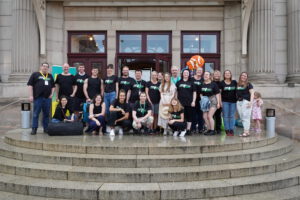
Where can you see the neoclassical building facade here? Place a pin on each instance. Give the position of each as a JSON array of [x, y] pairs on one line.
[[257, 36]]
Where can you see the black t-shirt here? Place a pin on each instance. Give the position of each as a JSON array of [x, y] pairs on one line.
[[141, 109], [79, 79], [228, 91], [209, 89], [153, 91], [185, 91], [42, 86], [94, 87], [125, 106], [65, 84], [137, 87], [110, 84], [198, 84], [243, 92], [176, 115], [125, 83], [60, 113]]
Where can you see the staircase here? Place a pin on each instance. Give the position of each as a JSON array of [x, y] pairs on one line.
[[140, 167]]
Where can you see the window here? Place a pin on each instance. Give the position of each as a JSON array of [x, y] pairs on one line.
[[157, 43], [130, 44], [87, 43]]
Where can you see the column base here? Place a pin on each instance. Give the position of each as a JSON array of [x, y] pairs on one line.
[[293, 78], [263, 78]]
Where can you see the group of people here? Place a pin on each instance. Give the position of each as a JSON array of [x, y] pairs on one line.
[[170, 103]]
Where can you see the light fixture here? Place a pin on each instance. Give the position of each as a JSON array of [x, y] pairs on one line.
[[91, 38]]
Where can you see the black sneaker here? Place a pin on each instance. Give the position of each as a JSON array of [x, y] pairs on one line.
[[212, 132], [218, 132], [33, 131], [46, 130]]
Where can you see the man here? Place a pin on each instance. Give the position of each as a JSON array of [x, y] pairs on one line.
[[126, 82], [175, 77], [78, 93], [138, 87], [41, 87]]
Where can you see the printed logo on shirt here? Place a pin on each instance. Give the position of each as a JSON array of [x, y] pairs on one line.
[[240, 88], [125, 83], [229, 88], [108, 81], [80, 81], [175, 116], [141, 110], [153, 87], [184, 85], [45, 79], [206, 89], [139, 86], [197, 82]]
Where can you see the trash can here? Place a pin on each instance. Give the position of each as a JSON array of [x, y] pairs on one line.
[[270, 122], [25, 115]]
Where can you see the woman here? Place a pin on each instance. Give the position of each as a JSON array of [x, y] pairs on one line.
[[93, 85], [218, 113], [62, 113], [176, 120], [210, 102], [111, 87], [167, 92], [141, 114], [97, 113], [228, 94], [245, 96], [186, 93], [153, 96], [119, 114]]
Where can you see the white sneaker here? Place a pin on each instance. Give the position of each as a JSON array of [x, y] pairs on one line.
[[175, 133], [108, 129], [165, 132], [112, 132], [182, 133], [121, 131]]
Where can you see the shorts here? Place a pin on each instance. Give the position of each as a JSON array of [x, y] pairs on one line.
[[213, 101], [155, 108], [78, 103], [146, 122]]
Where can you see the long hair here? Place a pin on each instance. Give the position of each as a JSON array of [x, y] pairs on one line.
[[227, 70], [94, 99], [62, 97], [241, 83], [178, 107], [189, 78], [163, 83], [216, 71]]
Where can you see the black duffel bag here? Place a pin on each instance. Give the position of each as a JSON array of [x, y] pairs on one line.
[[65, 128]]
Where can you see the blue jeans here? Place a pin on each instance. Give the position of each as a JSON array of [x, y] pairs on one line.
[[108, 99], [41, 104], [94, 127], [229, 110]]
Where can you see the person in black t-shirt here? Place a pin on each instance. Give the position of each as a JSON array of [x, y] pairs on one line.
[[228, 94], [210, 102], [186, 93], [176, 121], [245, 96], [93, 85], [119, 114], [218, 113], [138, 86], [62, 112], [153, 96], [97, 113], [126, 82], [78, 93], [65, 83], [41, 87], [141, 113], [198, 119]]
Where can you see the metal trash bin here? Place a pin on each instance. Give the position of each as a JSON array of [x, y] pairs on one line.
[[270, 122], [25, 115]]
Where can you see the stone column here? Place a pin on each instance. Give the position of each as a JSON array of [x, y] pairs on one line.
[[293, 41], [25, 48], [261, 42]]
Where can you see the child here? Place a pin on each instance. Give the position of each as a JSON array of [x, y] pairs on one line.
[[256, 111], [62, 113], [176, 121]]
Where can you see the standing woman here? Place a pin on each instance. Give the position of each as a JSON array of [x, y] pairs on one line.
[[93, 85], [210, 102], [228, 94], [218, 113], [153, 96], [97, 113], [167, 92], [186, 94], [245, 96]]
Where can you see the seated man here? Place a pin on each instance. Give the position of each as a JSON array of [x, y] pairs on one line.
[[141, 114], [119, 114]]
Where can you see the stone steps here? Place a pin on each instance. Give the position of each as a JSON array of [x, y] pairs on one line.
[[166, 190], [148, 175], [281, 147], [135, 145]]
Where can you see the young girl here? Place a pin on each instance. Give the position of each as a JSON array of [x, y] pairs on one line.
[[62, 113], [256, 111], [97, 112], [176, 121]]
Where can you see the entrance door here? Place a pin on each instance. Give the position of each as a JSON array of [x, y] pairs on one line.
[[163, 64], [89, 63]]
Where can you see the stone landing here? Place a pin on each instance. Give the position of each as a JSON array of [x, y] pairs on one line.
[[148, 167]]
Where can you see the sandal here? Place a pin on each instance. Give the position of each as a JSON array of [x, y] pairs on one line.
[[244, 135]]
